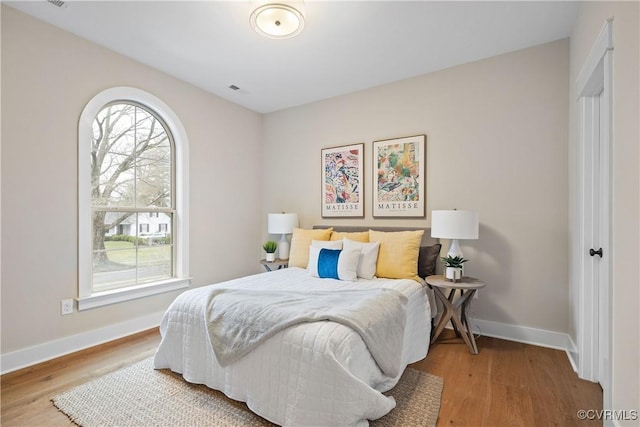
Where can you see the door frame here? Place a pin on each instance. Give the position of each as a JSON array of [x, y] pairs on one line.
[[594, 86]]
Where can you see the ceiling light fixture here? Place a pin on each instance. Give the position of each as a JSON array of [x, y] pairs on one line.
[[280, 20]]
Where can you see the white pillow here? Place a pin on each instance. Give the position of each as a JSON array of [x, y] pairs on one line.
[[333, 263], [327, 244], [368, 256], [334, 244]]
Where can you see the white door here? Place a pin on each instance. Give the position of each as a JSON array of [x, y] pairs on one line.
[[600, 250], [597, 229], [594, 88]]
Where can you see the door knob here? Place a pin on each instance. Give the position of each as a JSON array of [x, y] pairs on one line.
[[593, 252]]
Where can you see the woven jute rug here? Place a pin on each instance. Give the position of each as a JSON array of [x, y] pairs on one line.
[[138, 395]]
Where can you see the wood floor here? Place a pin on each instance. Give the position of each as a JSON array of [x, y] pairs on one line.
[[506, 384]]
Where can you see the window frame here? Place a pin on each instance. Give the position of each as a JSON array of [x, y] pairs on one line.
[[87, 298]]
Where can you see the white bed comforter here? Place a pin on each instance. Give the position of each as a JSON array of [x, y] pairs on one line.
[[238, 320], [318, 373]]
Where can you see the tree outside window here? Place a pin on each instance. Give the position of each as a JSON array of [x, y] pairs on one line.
[[132, 181]]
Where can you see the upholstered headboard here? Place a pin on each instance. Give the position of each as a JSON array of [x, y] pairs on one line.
[[427, 240], [429, 246]]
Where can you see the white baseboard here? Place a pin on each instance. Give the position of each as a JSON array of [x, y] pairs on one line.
[[50, 350], [573, 355], [524, 334]]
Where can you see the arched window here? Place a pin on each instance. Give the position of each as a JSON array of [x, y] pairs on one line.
[[132, 198]]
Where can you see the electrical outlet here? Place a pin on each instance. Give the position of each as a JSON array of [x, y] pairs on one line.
[[66, 306]]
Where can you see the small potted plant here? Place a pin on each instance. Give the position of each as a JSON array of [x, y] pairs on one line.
[[453, 267], [270, 248]]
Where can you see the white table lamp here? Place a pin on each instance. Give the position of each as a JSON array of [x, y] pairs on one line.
[[282, 223], [454, 225]]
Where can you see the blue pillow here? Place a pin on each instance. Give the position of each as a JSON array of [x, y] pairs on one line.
[[328, 263], [341, 264]]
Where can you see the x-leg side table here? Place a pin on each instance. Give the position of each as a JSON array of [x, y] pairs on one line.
[[455, 309]]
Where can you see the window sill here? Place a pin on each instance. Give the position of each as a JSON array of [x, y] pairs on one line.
[[100, 299]]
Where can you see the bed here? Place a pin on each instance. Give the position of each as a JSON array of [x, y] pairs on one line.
[[323, 372]]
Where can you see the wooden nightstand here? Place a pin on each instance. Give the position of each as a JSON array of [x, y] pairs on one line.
[[455, 309], [274, 265]]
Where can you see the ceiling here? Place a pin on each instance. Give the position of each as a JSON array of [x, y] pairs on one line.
[[346, 46]]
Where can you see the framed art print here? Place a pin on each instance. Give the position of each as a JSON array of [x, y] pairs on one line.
[[342, 181], [399, 177]]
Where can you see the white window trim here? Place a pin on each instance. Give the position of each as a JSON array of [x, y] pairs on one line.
[[86, 297]]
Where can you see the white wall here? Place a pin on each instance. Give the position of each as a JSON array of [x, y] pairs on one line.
[[48, 76], [496, 131], [625, 167], [497, 135]]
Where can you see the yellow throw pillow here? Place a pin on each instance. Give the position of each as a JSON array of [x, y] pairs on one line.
[[398, 254], [300, 242], [357, 236]]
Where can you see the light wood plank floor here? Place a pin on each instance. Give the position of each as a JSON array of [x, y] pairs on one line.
[[506, 384]]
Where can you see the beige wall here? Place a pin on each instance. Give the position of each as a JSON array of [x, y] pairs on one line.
[[497, 134], [48, 76], [496, 131], [625, 166]]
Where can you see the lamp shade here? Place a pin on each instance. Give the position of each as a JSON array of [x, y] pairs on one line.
[[455, 224], [282, 223]]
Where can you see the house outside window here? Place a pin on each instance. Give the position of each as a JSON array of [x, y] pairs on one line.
[[133, 183]]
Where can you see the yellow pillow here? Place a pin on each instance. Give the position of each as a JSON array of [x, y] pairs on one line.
[[398, 254], [300, 242], [358, 236]]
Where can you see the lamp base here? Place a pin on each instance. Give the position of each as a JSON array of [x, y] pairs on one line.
[[283, 247], [454, 249]]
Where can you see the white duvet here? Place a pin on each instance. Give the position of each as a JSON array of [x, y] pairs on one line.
[[318, 373]]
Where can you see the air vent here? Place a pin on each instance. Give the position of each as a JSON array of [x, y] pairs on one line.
[[58, 3], [234, 87]]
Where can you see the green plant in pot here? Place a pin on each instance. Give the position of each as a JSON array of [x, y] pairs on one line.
[[453, 267], [270, 249]]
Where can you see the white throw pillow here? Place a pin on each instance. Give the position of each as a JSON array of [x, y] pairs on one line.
[[312, 266], [368, 256], [333, 263], [327, 244]]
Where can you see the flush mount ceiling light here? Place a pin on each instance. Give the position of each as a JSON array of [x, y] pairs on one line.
[[278, 20]]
